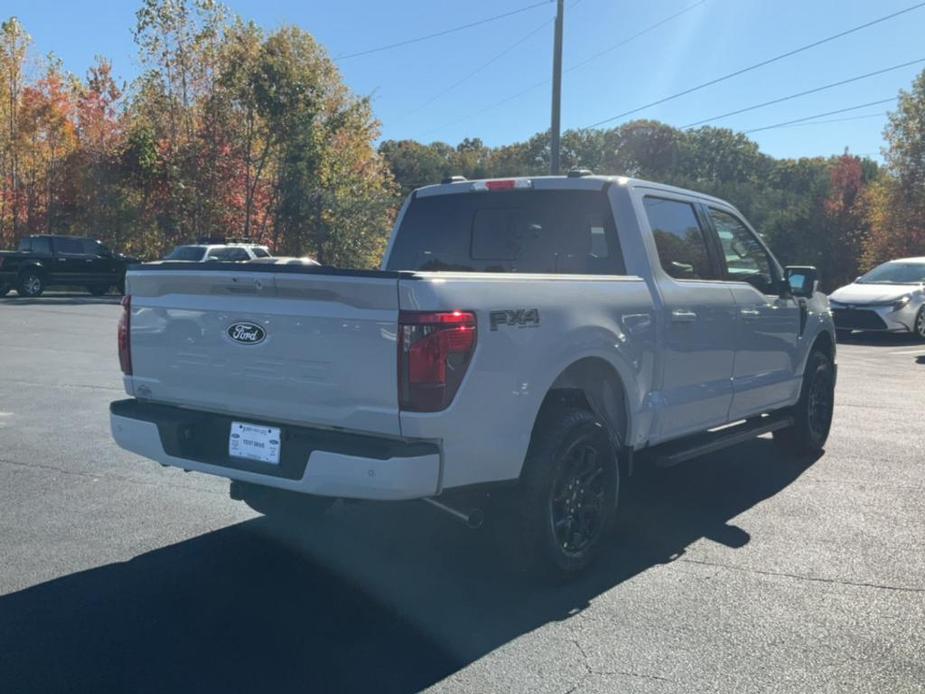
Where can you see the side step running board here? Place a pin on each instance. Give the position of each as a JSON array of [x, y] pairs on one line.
[[677, 452]]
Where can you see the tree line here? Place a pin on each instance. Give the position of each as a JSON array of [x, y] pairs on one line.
[[234, 131]]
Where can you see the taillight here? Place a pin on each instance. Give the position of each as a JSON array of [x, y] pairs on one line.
[[124, 336], [434, 351]]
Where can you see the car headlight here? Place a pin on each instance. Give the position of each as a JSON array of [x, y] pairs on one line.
[[901, 302]]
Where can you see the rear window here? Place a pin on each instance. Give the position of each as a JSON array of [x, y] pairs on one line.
[[186, 253], [260, 252], [549, 231]]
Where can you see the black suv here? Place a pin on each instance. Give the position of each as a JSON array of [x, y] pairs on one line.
[[64, 261]]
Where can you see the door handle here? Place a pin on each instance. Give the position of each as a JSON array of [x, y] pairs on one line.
[[749, 313], [683, 315]]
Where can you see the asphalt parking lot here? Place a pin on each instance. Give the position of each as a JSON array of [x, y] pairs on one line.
[[744, 571]]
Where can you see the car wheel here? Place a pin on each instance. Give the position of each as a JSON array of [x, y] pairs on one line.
[[97, 290], [567, 498], [919, 327], [4, 289], [31, 284], [813, 412], [291, 508]]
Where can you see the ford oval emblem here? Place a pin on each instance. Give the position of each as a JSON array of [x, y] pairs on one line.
[[246, 333]]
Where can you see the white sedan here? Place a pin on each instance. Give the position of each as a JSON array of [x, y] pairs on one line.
[[889, 298]]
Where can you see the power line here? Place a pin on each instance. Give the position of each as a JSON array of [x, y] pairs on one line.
[[436, 34], [481, 67], [635, 36], [802, 121], [763, 63], [803, 93], [544, 82]]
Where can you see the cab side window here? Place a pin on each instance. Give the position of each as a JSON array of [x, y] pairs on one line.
[[69, 246], [679, 239], [746, 258]]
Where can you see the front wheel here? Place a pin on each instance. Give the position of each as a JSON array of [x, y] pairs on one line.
[[31, 284], [567, 498], [813, 412], [918, 328]]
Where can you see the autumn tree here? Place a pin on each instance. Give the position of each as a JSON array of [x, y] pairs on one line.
[[896, 203]]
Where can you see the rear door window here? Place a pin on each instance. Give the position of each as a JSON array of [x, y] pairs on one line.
[[69, 246], [548, 231], [679, 239], [41, 245]]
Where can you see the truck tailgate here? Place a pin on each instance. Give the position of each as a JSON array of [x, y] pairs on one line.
[[310, 348]]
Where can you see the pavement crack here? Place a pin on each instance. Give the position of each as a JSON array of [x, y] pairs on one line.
[[800, 577]]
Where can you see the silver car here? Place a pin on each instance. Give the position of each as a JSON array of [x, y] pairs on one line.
[[889, 298]]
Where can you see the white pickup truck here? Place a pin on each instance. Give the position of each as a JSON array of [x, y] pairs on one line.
[[524, 342]]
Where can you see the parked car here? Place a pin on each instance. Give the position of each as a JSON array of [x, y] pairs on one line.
[[44, 261], [203, 253], [889, 298], [525, 344]]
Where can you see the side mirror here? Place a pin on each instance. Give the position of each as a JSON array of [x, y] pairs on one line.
[[802, 280]]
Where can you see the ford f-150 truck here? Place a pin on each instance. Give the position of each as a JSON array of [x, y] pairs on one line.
[[525, 342]]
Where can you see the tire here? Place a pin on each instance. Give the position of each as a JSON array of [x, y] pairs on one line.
[[31, 284], [97, 290], [813, 412], [4, 289], [291, 508], [567, 499], [918, 328]]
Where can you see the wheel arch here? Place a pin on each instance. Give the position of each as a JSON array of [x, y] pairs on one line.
[[592, 383], [36, 267]]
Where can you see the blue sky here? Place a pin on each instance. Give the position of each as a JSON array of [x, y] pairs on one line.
[[711, 39]]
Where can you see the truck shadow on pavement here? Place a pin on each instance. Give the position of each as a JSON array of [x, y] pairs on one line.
[[385, 598]]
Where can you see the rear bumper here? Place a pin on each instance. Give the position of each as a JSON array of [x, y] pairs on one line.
[[312, 461]]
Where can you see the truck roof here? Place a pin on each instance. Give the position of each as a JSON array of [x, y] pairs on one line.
[[580, 182]]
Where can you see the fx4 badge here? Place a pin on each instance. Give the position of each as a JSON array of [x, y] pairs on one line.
[[516, 318]]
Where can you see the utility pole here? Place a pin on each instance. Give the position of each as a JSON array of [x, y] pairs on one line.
[[556, 90]]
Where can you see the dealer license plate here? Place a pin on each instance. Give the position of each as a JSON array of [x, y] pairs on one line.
[[254, 442]]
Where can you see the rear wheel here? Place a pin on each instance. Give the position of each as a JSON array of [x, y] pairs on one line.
[[31, 284], [291, 508], [567, 498], [813, 412]]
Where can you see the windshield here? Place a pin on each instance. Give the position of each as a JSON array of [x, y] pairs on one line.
[[186, 253], [895, 273]]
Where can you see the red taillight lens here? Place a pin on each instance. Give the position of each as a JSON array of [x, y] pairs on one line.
[[124, 332], [434, 351]]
